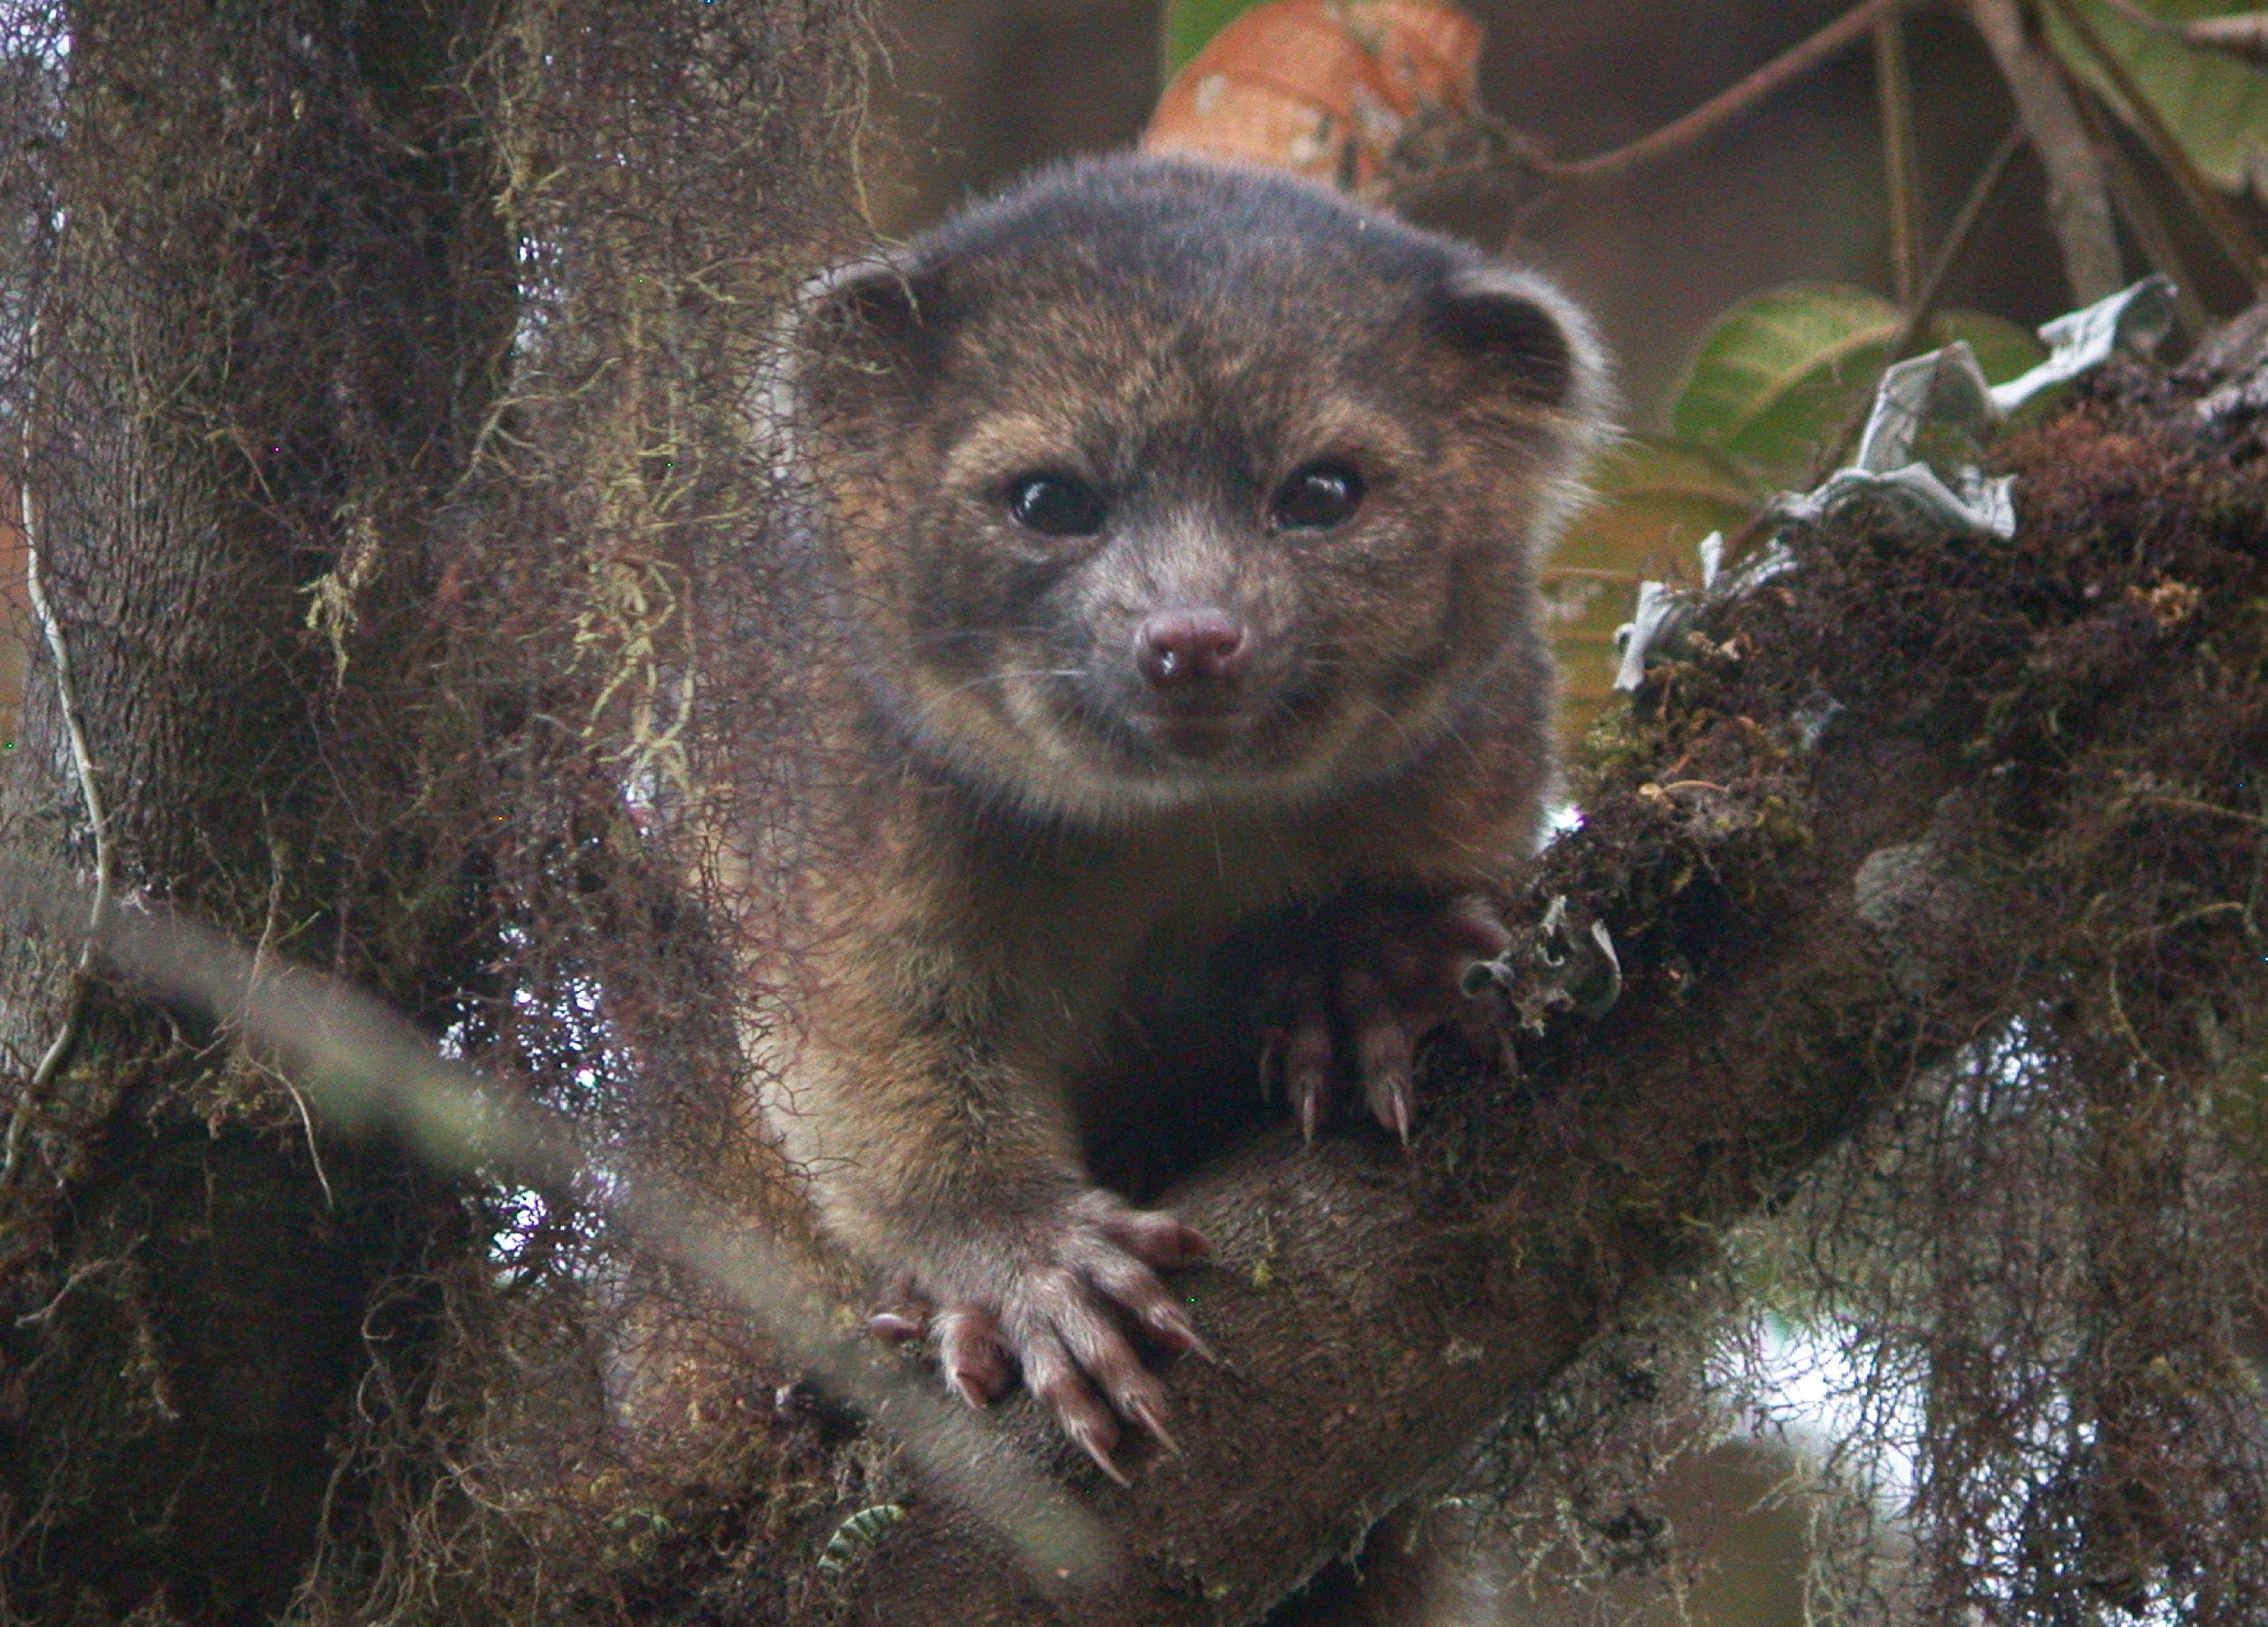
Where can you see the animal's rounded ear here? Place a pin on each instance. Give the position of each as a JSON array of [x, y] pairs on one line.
[[885, 297], [868, 325], [1523, 336]]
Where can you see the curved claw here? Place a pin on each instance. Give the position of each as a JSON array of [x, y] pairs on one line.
[[1094, 1448], [895, 1328], [1067, 1298], [1307, 1057], [1384, 1054], [1384, 977], [1147, 1415]]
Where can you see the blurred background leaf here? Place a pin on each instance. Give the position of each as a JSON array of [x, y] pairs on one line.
[[1784, 372], [2215, 105], [1654, 500], [1190, 23], [1330, 89]]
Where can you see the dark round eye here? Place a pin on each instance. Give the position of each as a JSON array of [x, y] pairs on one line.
[[1316, 498], [1055, 504]]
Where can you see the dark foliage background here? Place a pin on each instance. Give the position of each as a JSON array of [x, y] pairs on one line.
[[975, 92]]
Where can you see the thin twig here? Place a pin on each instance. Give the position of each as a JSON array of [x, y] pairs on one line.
[[306, 1123], [2078, 192], [46, 1313], [2228, 231], [2140, 213], [1788, 66], [1901, 173], [2155, 930], [1966, 220], [2192, 805], [1520, 152], [1958, 237], [252, 974], [90, 796], [2243, 37]]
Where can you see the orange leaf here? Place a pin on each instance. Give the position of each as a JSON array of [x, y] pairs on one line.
[[1322, 87]]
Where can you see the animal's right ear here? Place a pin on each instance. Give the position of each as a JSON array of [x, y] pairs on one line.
[[1527, 343], [863, 329]]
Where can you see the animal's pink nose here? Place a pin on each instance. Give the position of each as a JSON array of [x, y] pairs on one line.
[[1185, 650]]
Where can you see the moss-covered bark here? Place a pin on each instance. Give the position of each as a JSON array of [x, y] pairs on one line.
[[268, 330], [386, 385]]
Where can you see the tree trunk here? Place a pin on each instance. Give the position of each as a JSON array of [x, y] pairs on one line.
[[385, 364], [264, 346], [271, 330]]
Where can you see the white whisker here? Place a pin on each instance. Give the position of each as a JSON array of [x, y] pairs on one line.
[[1024, 672], [1409, 744]]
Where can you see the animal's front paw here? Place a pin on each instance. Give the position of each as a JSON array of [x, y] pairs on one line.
[[1350, 1005], [1056, 1293]]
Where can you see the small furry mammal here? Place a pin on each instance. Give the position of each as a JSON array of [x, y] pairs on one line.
[[1175, 528]]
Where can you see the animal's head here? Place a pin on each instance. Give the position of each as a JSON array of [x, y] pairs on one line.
[[1158, 483]]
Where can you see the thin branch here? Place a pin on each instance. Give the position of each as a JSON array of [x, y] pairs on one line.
[[2079, 192], [46, 1312], [367, 1067], [2228, 232], [1782, 69], [2141, 214], [1958, 237], [1893, 86], [1523, 152], [1966, 220], [2191, 805], [260, 948], [90, 796], [2244, 35]]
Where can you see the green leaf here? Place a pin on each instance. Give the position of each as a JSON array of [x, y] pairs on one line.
[[1654, 500], [2216, 106], [1780, 372], [1784, 373], [2004, 350], [1190, 23]]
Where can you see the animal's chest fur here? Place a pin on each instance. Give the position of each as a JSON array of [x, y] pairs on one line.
[[1131, 964]]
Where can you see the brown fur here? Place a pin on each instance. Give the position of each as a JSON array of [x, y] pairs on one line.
[[1014, 878]]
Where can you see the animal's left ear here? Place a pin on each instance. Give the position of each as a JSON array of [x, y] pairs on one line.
[[857, 340], [1525, 341]]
